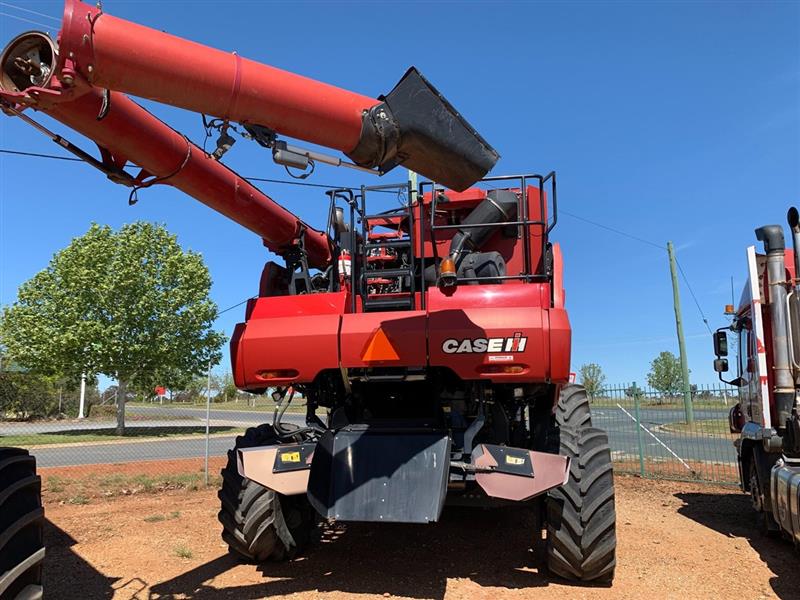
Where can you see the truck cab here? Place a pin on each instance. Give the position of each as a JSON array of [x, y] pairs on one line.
[[763, 341]]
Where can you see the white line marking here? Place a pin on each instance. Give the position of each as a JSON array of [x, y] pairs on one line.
[[632, 418]]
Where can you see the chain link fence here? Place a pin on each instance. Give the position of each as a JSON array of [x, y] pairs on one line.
[[187, 437], [651, 436]]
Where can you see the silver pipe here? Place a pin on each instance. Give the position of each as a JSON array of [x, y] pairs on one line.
[[774, 246]]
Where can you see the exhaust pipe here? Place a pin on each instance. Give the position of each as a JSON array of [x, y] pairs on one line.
[[774, 246], [413, 125]]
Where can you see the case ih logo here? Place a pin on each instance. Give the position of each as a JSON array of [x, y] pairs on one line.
[[516, 343]]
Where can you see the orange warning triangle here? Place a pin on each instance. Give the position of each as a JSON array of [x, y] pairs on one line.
[[379, 348]]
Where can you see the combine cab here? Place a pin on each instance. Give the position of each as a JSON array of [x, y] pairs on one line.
[[425, 326]]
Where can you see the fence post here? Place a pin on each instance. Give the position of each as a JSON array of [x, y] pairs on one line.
[[208, 419], [638, 428]]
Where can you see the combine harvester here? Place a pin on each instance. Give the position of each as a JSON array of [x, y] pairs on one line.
[[767, 417], [433, 336]]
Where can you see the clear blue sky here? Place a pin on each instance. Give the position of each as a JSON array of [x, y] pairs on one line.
[[672, 121]]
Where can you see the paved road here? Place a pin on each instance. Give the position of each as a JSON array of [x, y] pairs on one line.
[[137, 451], [621, 428]]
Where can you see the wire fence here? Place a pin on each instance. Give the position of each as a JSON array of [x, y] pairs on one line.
[[651, 436], [190, 434]]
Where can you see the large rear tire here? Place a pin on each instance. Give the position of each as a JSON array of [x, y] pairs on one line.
[[21, 526], [573, 408], [258, 523], [581, 519]]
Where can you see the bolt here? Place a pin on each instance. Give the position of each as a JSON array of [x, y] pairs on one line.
[[85, 39], [90, 68]]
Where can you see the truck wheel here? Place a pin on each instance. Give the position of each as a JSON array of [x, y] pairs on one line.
[[573, 407], [581, 520], [764, 519], [258, 523], [21, 526]]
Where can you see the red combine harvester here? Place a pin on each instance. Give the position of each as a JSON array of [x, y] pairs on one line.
[[767, 417], [432, 336]]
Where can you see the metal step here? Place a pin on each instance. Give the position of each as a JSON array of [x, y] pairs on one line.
[[387, 273], [379, 304], [404, 243]]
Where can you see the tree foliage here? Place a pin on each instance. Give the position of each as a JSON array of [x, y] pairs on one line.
[[592, 378], [129, 304], [665, 374]]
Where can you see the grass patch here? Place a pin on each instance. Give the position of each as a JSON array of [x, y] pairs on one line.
[[54, 484], [158, 518], [80, 490], [109, 435], [713, 427], [183, 551], [650, 404], [154, 518]]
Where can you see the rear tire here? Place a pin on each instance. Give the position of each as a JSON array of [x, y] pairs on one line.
[[581, 519], [258, 523], [573, 408], [21, 526]]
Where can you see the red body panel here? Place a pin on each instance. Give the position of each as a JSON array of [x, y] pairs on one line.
[[404, 330], [311, 333], [116, 54], [498, 312], [285, 333]]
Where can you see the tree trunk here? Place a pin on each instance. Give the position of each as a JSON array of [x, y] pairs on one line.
[[122, 388]]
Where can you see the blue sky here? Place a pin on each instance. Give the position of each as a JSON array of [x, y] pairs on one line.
[[671, 121]]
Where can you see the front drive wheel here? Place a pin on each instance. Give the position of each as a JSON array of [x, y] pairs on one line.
[[581, 520], [258, 523]]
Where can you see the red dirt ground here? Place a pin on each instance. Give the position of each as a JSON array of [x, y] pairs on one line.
[[676, 540]]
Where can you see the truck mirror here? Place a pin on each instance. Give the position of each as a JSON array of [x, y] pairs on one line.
[[721, 365], [721, 343]]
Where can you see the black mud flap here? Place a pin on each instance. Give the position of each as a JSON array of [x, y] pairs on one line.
[[367, 474]]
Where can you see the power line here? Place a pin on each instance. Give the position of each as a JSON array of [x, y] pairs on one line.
[[607, 228], [39, 155], [42, 25], [236, 305], [28, 10], [691, 291], [332, 186]]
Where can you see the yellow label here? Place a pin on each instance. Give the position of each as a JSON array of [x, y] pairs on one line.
[[290, 457], [514, 460]]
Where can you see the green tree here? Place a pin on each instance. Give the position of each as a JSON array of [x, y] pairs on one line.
[[592, 378], [665, 374], [128, 304]]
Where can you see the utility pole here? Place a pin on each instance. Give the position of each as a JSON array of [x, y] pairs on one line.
[[412, 178], [676, 298]]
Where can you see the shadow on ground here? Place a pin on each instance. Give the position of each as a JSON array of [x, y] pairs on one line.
[[491, 548], [733, 516], [67, 572]]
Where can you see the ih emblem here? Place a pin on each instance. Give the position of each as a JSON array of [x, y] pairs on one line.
[[515, 343]]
